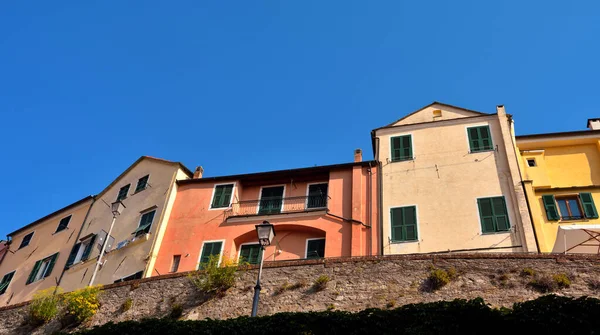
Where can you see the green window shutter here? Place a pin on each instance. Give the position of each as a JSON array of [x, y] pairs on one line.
[[250, 253], [315, 249], [551, 209], [500, 214], [486, 138], [480, 138], [486, 215], [404, 224], [73, 254], [473, 139], [53, 259], [142, 183], [6, 281], [401, 148], [145, 224], [209, 249], [34, 271], [88, 248], [222, 196], [396, 217], [493, 215], [589, 208]]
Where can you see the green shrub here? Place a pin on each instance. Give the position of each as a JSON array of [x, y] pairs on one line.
[[452, 273], [330, 307], [215, 279], [44, 306], [527, 272], [438, 278], [561, 280], [321, 283], [542, 284], [83, 303], [127, 305], [176, 311]]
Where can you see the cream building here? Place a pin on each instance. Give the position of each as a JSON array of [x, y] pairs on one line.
[[147, 189], [38, 252], [450, 182]]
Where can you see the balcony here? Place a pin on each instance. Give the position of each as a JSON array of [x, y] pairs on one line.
[[269, 206]]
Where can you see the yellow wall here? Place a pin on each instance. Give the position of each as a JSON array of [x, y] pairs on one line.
[[564, 166]]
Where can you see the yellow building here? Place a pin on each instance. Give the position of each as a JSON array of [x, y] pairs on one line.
[[561, 176]]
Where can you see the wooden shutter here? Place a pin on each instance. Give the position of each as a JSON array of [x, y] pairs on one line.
[[396, 151], [589, 208], [402, 148], [73, 254], [396, 218], [486, 214], [404, 224], [500, 214], [34, 271], [473, 139], [212, 248], [53, 259], [551, 209], [485, 138], [88, 248], [222, 196]]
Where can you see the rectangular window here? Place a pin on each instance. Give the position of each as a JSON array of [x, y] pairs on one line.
[[123, 192], [81, 251], [222, 196], [63, 224], [42, 269], [480, 138], [6, 281], [315, 248], [404, 224], [137, 275], [250, 253], [209, 249], [145, 224], [142, 183], [493, 215], [271, 200], [531, 162], [402, 148], [26, 240], [569, 208], [175, 263], [317, 196]]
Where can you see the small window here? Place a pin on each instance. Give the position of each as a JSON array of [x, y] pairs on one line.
[[222, 196], [145, 224], [572, 207], [26, 240], [493, 215], [531, 162], [81, 251], [250, 253], [6, 281], [63, 224], [480, 139], [137, 275], [209, 249], [315, 248], [402, 148], [142, 183], [42, 269], [175, 263], [404, 224], [569, 208], [123, 192], [317, 196]]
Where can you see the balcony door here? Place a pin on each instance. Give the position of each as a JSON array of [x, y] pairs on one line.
[[271, 200]]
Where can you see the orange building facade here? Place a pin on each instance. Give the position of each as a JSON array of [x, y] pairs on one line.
[[326, 211]]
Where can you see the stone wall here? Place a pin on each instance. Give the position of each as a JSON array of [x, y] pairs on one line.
[[355, 284]]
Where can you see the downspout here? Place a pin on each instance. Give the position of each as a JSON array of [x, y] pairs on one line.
[[369, 210], [379, 191]]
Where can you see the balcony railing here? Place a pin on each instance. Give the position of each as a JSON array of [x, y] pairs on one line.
[[278, 205]]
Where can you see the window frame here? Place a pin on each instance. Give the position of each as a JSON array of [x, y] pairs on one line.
[[37, 276], [468, 138], [314, 239], [579, 206], [142, 213], [527, 160], [173, 263], [9, 282], [202, 248], [239, 256], [21, 246], [508, 216], [308, 194], [212, 198], [412, 148], [82, 246], [126, 193], [282, 199], [70, 216], [145, 186], [417, 240]]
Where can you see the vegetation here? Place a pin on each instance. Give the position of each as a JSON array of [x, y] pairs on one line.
[[439, 278], [549, 314], [215, 279], [527, 272], [176, 311], [562, 280], [321, 283], [127, 305], [44, 306], [83, 304], [546, 284]]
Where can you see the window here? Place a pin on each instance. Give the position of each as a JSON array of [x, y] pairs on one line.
[[315, 248], [6, 281], [63, 224], [137, 275], [271, 200], [26, 240], [209, 249], [42, 269], [222, 196], [250, 253], [480, 138], [571, 207], [317, 196], [142, 183], [175, 263], [81, 251], [404, 224], [402, 148], [493, 215], [123, 192], [531, 162], [145, 224]]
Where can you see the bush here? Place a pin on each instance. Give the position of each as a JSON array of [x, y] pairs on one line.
[[83, 303], [215, 279], [438, 278], [176, 311], [562, 280], [44, 306], [127, 305], [321, 283], [527, 272], [542, 284]]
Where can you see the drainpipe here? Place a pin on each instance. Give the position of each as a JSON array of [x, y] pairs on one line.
[[379, 194], [369, 210]]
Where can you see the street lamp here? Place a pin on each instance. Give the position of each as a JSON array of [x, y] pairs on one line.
[[265, 232], [116, 209]]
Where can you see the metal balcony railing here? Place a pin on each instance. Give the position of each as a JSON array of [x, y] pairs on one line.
[[277, 205]]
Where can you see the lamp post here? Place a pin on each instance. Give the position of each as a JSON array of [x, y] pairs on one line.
[[116, 208], [265, 232]]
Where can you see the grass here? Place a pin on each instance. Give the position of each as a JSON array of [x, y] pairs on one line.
[[321, 283]]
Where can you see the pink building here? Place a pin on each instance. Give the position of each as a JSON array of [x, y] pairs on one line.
[[325, 211]]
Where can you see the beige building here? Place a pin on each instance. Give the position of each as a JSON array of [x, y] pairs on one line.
[[147, 189], [450, 182], [38, 252]]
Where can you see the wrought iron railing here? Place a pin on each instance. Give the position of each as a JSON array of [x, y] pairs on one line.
[[277, 205]]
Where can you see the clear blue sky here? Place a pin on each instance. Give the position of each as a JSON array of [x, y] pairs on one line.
[[86, 87]]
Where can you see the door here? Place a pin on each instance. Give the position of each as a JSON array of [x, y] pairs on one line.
[[271, 200]]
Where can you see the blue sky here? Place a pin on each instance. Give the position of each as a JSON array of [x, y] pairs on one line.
[[86, 87]]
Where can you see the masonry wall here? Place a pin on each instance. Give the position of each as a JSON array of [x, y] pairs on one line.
[[356, 284]]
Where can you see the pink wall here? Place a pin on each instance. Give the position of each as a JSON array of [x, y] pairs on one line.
[[192, 221]]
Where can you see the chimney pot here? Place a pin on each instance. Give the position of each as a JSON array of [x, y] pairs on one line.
[[357, 155], [500, 110], [594, 124], [198, 173]]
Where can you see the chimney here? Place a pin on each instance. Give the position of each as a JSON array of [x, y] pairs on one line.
[[198, 173], [357, 155], [594, 124], [500, 110]]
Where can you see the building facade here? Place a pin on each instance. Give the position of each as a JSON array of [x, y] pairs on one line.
[[147, 189], [326, 211], [37, 253], [561, 175], [450, 182]]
